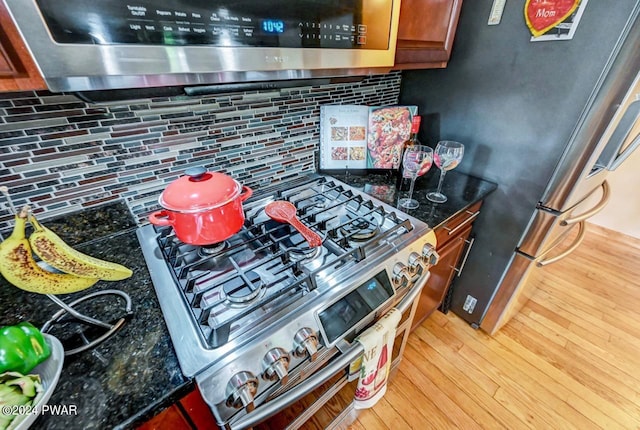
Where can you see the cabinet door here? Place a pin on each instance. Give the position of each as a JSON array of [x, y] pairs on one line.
[[189, 413], [18, 72], [170, 418], [453, 226], [6, 66], [198, 411], [441, 276], [426, 32]]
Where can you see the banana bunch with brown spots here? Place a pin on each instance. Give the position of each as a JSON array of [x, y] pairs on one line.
[[81, 271]]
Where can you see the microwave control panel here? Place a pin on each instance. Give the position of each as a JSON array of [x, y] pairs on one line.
[[277, 23]]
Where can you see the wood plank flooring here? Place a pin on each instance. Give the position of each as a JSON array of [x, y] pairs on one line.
[[569, 360]]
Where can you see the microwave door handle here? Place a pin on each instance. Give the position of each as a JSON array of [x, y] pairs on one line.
[[345, 359], [576, 243], [591, 212], [626, 153]]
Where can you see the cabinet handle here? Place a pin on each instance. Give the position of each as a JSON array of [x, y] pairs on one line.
[[466, 255], [463, 223]]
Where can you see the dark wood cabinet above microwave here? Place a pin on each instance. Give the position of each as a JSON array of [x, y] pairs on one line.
[[426, 32], [17, 70]]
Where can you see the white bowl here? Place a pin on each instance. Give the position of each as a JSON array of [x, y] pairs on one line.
[[49, 371]]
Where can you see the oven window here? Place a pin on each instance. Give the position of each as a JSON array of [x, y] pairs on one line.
[[344, 314]]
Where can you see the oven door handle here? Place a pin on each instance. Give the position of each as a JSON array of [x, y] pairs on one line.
[[271, 408], [412, 295], [346, 358]]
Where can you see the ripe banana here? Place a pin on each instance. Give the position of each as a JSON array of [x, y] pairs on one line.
[[20, 269], [54, 251]]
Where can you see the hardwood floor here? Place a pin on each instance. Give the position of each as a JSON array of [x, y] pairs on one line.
[[569, 359]]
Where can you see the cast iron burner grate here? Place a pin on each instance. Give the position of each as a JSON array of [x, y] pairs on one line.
[[361, 229], [267, 267], [243, 289]]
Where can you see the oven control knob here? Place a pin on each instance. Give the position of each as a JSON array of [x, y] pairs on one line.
[[400, 274], [276, 364], [429, 254], [305, 342], [415, 262], [241, 390]]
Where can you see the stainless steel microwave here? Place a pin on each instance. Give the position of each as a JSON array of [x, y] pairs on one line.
[[83, 45]]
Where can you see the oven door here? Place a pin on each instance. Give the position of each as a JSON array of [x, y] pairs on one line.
[[326, 396]]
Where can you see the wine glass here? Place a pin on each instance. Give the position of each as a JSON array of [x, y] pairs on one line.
[[416, 162], [447, 156]]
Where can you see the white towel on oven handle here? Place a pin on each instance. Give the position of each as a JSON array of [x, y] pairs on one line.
[[377, 341]]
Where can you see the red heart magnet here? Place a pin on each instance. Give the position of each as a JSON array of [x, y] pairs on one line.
[[543, 15]]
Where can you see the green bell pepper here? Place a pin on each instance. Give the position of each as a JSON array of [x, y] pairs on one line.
[[22, 347]]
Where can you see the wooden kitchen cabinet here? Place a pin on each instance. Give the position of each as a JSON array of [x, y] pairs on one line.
[[189, 413], [18, 72], [170, 418], [425, 33], [453, 244]]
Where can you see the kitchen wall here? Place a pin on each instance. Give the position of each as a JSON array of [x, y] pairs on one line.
[[60, 154], [622, 213]]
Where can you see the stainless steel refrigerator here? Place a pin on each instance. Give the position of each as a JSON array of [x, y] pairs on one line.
[[546, 121]]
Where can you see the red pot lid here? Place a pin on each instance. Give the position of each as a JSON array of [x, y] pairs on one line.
[[199, 190]]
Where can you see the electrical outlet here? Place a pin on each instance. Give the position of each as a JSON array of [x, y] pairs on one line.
[[469, 304]]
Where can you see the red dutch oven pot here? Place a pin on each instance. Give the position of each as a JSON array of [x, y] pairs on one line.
[[202, 207]]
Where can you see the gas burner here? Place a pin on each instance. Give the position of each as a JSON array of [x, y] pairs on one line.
[[304, 253], [243, 289], [298, 248], [360, 229], [319, 202], [212, 249], [292, 242]]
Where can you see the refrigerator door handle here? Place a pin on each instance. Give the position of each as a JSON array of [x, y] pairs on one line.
[[591, 212], [626, 153], [625, 125], [581, 233]]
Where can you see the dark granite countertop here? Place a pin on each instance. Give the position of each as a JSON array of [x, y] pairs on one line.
[[130, 376], [135, 374], [461, 190]]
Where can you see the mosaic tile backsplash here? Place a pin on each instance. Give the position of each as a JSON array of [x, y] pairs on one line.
[[60, 154]]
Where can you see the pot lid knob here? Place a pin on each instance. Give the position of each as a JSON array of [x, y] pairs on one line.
[[196, 173]]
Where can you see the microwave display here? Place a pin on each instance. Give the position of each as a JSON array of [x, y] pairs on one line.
[[345, 24]]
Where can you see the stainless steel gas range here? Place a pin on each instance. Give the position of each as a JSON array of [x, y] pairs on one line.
[[262, 319]]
